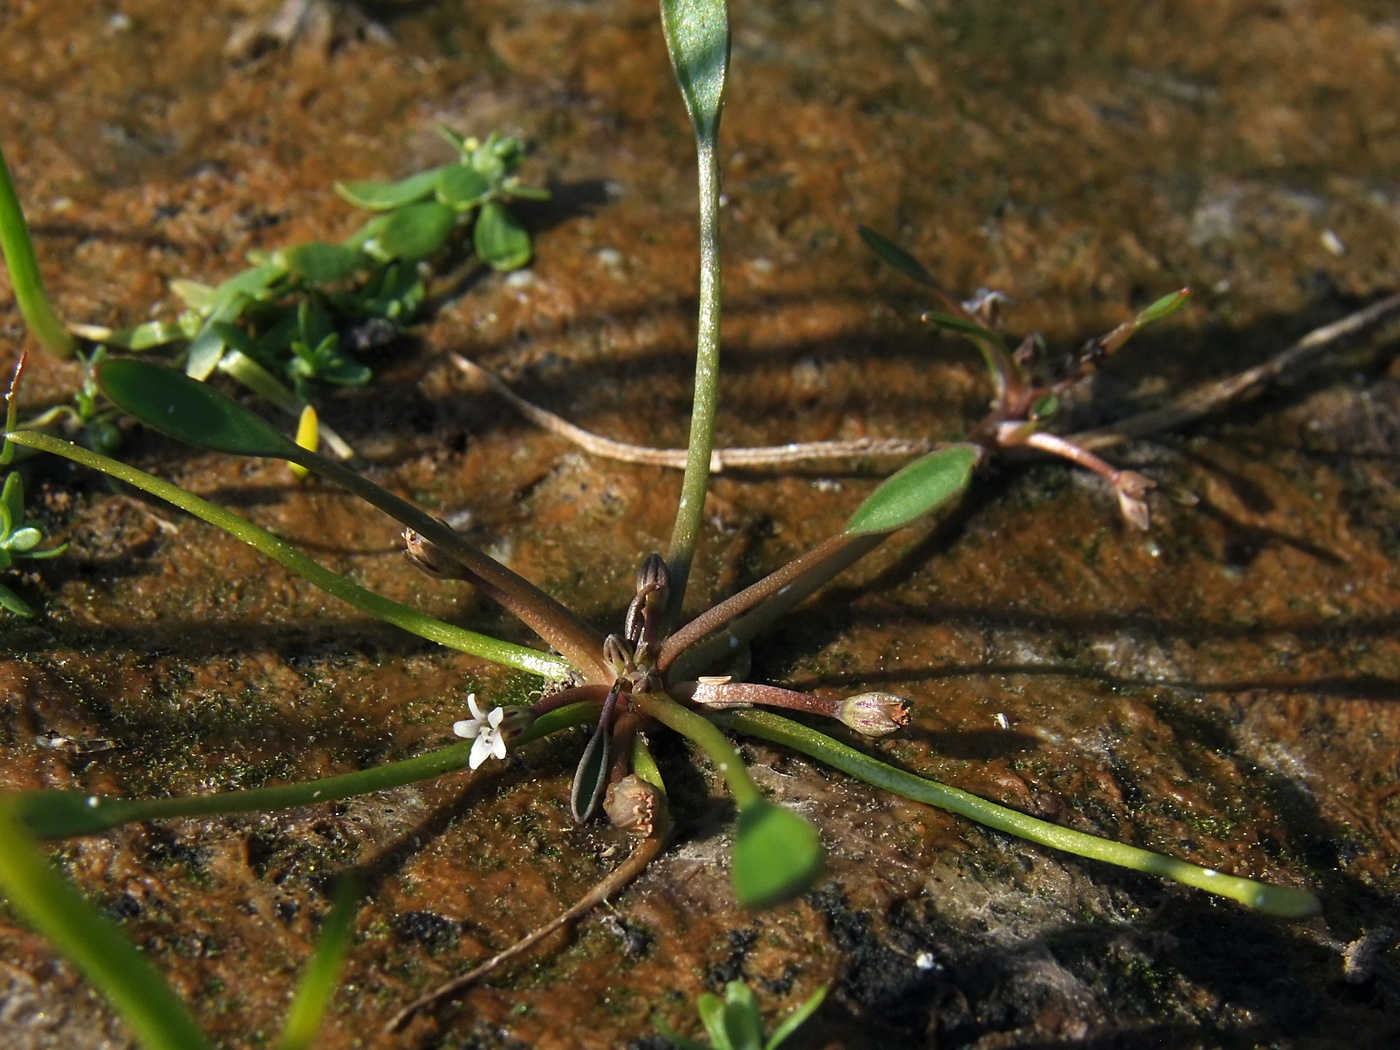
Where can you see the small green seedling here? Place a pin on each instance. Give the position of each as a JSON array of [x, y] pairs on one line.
[[19, 538], [734, 1023], [300, 315]]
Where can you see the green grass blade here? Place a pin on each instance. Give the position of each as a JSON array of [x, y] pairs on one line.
[[201, 416], [1283, 901], [697, 37], [507, 654], [318, 983], [92, 943], [795, 1020], [63, 814], [18, 249]]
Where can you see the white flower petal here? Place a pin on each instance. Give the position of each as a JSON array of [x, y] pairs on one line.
[[477, 713], [467, 728], [481, 750], [496, 716], [498, 746]]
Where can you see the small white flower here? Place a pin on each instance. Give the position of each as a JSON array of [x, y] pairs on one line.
[[485, 729]]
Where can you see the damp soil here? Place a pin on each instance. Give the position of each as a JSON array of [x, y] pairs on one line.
[[1223, 688]]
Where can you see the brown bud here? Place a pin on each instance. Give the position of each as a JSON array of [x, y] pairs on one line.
[[430, 558], [634, 805], [875, 714]]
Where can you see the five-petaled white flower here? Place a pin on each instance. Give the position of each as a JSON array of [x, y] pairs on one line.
[[485, 729]]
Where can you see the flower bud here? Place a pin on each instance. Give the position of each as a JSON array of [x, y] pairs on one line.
[[634, 805], [874, 714]]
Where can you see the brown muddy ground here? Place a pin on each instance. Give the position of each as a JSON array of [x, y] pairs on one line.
[[1224, 688]]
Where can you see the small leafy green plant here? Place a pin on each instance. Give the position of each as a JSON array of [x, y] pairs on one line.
[[19, 538], [300, 315], [734, 1022]]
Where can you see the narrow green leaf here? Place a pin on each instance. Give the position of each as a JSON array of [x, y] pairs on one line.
[[455, 140], [931, 482], [710, 1007], [320, 261], [204, 352], [92, 943], [196, 296], [697, 37], [382, 196], [529, 193], [793, 1021], [511, 655], [1284, 901], [742, 1021], [1164, 306], [251, 282], [1168, 304], [318, 982], [12, 602], [187, 410], [591, 776], [895, 256], [17, 249], [960, 325], [777, 855], [11, 504], [499, 239], [459, 186], [413, 232]]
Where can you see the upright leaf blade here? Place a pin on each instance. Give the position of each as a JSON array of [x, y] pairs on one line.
[[318, 982], [922, 487], [777, 855], [92, 943], [697, 36], [187, 410]]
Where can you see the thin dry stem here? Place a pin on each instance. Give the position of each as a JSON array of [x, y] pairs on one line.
[[614, 882], [1200, 401], [1211, 397], [674, 458]]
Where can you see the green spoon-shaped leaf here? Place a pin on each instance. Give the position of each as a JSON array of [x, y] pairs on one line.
[[697, 36], [414, 231], [319, 261], [919, 489], [499, 239], [459, 186], [188, 410], [777, 855], [381, 196]]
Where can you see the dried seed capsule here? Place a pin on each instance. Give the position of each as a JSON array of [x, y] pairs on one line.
[[634, 805], [875, 714]]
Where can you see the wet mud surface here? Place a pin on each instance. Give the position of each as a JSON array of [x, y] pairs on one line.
[[1223, 688]]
